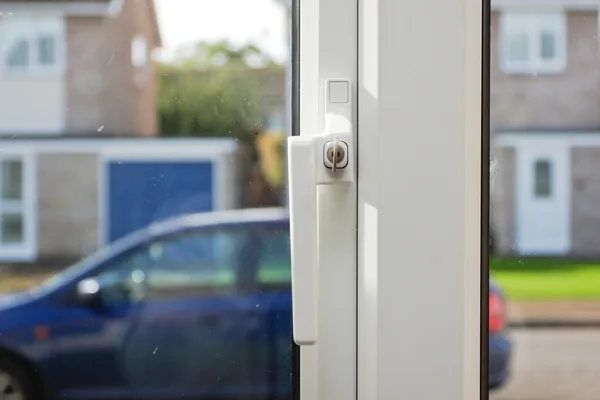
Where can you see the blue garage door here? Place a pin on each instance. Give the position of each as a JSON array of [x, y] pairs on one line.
[[144, 192]]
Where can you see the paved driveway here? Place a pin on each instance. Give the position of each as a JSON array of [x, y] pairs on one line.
[[554, 364]]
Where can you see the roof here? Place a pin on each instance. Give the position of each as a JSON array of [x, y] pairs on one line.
[[80, 7], [72, 7], [568, 4], [54, 1], [157, 33]]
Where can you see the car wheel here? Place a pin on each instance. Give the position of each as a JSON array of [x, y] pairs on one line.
[[15, 382]]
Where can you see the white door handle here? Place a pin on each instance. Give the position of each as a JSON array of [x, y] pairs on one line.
[[312, 161]]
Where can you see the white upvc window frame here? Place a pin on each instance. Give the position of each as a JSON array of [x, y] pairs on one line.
[[31, 27], [531, 25], [328, 48], [400, 282], [421, 220], [26, 250]]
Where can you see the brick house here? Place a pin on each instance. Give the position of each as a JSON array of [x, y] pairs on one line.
[[68, 69], [545, 123], [80, 66]]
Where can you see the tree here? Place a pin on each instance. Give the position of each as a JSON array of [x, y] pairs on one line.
[[220, 54], [218, 102], [209, 91], [206, 91]]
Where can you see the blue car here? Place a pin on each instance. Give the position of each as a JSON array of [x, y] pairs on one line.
[[197, 307]]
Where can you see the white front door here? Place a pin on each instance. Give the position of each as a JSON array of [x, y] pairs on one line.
[[543, 188]]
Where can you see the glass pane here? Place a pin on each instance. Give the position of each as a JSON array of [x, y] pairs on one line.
[[547, 46], [543, 178], [544, 302], [194, 262], [46, 50], [18, 55], [12, 228], [12, 178], [518, 48], [275, 270], [139, 51], [147, 229]]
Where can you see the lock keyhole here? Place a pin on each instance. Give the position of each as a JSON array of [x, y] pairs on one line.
[[338, 157], [335, 155]]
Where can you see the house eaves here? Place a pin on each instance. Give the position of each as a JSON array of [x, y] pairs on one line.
[[156, 25], [575, 5], [84, 8]]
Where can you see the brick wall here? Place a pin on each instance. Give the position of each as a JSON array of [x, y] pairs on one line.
[[503, 201], [105, 91], [67, 205], [131, 97], [567, 101], [86, 74], [585, 201], [564, 100]]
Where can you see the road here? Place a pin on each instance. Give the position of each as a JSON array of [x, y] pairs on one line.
[[554, 364]]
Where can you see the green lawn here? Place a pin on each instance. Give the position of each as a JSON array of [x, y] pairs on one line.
[[551, 279]]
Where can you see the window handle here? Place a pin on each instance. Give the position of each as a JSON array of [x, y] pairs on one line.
[[324, 159]]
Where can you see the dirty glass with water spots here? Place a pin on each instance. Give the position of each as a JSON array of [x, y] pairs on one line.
[[144, 242], [544, 306]]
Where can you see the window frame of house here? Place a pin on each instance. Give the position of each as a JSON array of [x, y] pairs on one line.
[[532, 25], [140, 54], [25, 250], [32, 28]]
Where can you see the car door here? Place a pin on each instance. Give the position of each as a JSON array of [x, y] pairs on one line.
[[264, 305], [89, 337], [265, 278], [190, 331]]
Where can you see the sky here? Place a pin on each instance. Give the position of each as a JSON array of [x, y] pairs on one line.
[[262, 22]]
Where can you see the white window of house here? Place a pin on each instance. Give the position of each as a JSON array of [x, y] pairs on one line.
[[139, 51], [533, 42], [32, 44], [16, 206], [11, 203]]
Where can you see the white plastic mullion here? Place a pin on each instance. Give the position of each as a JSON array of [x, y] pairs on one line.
[[328, 50], [419, 202]]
